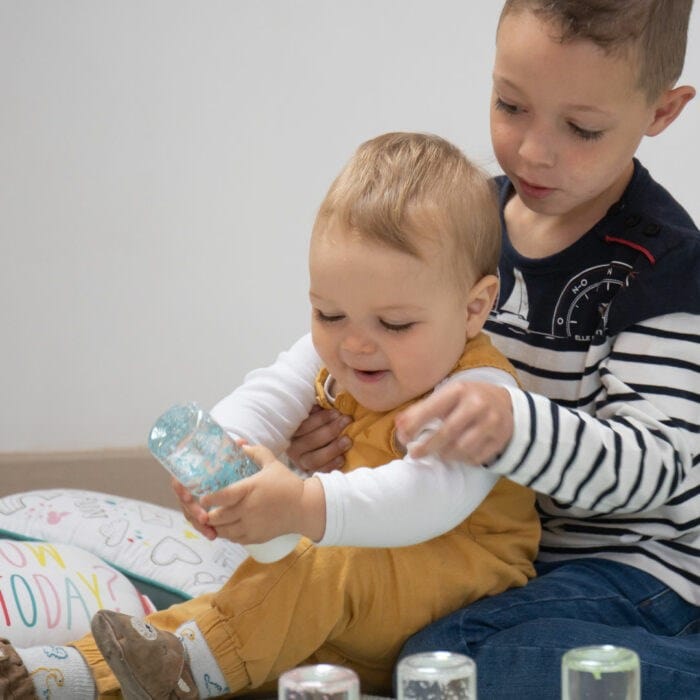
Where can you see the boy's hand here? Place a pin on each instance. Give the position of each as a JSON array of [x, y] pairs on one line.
[[476, 422], [273, 502], [317, 445], [193, 511]]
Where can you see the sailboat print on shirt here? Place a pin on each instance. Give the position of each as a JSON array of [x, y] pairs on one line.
[[516, 308]]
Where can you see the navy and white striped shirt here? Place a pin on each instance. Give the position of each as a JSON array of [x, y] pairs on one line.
[[608, 331]]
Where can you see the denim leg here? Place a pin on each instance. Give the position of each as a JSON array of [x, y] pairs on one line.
[[517, 638]]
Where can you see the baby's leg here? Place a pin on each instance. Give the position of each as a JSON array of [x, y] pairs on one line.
[[350, 606], [169, 620]]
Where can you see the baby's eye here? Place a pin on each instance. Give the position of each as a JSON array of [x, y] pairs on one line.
[[506, 107], [397, 327], [327, 318], [585, 134]]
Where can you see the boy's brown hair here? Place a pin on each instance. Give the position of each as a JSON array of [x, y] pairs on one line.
[[400, 186], [653, 32]]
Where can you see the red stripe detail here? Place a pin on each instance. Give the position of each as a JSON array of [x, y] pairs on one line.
[[636, 246]]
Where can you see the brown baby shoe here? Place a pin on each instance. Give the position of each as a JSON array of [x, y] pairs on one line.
[[149, 664], [15, 681]]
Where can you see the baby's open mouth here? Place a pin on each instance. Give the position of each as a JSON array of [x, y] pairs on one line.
[[370, 374]]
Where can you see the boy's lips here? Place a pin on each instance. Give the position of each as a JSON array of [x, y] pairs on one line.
[[530, 189]]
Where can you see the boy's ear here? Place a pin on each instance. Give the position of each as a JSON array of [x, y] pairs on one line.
[[480, 301], [669, 106]]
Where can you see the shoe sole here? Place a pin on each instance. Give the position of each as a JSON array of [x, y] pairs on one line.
[[110, 648]]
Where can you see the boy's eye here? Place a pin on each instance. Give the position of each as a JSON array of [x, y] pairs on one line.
[[585, 134], [327, 318], [397, 327], [506, 107]]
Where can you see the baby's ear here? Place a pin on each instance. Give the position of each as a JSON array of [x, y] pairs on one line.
[[480, 301], [669, 105]]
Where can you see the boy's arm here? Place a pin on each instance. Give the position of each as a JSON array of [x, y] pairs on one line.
[[272, 401], [643, 438]]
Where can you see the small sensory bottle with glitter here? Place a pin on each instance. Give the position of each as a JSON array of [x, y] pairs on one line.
[[202, 456]]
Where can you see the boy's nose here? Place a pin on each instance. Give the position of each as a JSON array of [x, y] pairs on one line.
[[537, 148]]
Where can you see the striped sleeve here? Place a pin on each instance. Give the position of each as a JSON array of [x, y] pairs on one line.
[[636, 445]]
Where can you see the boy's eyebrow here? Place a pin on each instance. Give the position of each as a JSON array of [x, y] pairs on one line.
[[571, 106], [404, 308], [587, 108]]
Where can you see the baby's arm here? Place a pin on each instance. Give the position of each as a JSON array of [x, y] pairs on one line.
[[266, 409], [400, 503], [272, 401]]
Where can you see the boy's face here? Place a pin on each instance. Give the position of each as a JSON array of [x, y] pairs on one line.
[[387, 325], [566, 119]]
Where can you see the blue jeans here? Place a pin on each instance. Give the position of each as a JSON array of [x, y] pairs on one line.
[[517, 638]]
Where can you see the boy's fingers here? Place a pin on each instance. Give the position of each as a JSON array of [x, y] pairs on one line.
[[413, 419], [433, 443], [323, 435], [322, 449], [326, 458], [317, 419]]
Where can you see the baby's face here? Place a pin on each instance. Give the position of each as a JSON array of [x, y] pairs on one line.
[[566, 119], [387, 325]]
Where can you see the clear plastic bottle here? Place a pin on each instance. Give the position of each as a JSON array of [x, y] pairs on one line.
[[201, 455], [436, 675], [597, 672]]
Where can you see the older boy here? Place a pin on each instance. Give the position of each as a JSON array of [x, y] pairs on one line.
[[599, 311], [401, 263]]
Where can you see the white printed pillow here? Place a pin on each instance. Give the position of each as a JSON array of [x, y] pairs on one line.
[[154, 546], [49, 592]]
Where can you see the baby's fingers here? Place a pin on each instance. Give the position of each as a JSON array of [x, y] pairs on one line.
[[228, 497], [262, 456]]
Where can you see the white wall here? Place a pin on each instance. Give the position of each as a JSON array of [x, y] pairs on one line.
[[160, 166]]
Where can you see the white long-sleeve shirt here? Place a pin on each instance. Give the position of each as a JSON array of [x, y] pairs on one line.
[[271, 403]]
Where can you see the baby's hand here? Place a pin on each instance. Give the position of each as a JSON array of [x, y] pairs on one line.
[[475, 422], [193, 511], [273, 502]]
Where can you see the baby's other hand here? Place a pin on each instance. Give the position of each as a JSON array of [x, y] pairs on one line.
[[474, 422], [193, 511]]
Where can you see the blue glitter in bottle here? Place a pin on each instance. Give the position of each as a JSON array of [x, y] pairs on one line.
[[197, 451], [203, 457]]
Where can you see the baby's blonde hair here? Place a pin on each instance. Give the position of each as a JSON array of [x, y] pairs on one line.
[[655, 30], [401, 186]]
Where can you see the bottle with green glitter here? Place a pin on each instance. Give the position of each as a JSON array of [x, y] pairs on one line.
[[202, 456]]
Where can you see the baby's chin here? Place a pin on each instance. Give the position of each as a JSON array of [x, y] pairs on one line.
[[384, 404]]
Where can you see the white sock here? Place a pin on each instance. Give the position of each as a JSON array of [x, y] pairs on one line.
[[207, 675], [59, 673]]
